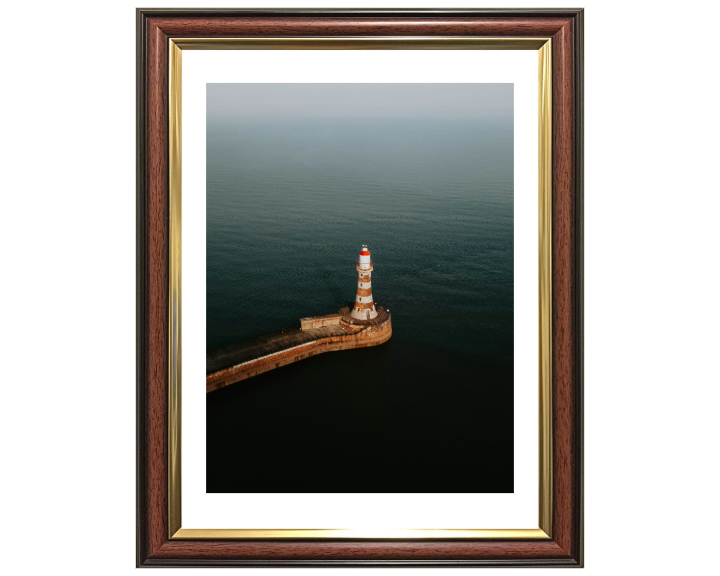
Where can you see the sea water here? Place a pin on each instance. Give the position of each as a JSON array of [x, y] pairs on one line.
[[289, 204]]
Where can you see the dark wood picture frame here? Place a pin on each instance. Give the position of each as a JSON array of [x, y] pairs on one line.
[[154, 29]]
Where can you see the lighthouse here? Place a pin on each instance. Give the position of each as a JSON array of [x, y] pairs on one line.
[[364, 308]]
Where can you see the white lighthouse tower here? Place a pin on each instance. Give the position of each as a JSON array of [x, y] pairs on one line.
[[364, 308]]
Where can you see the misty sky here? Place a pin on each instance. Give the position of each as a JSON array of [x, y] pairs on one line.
[[359, 100]]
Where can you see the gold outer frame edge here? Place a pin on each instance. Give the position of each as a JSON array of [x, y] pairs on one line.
[[364, 43], [544, 48]]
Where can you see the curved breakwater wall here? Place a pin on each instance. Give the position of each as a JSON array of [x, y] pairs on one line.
[[366, 336]]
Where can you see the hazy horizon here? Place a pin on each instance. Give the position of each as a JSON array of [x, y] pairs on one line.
[[359, 100]]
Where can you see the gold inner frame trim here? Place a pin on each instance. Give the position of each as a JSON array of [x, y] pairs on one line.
[[380, 533], [544, 48]]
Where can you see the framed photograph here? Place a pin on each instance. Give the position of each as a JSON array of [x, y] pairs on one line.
[[359, 287]]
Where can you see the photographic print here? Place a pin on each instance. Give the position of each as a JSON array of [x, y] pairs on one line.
[[360, 288]]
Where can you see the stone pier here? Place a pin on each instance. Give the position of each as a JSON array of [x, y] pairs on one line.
[[315, 335]]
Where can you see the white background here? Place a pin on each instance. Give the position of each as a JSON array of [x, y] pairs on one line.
[[516, 510], [67, 229]]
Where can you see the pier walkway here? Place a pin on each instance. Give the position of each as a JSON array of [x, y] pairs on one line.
[[259, 346]]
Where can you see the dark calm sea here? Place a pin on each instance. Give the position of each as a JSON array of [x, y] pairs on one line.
[[289, 204]]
